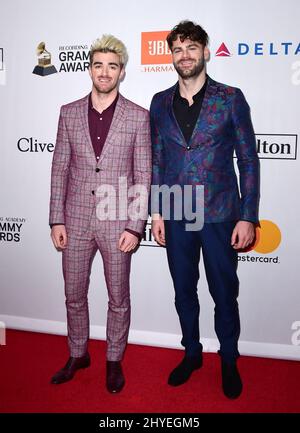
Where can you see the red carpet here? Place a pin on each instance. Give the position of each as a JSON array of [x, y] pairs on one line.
[[28, 361]]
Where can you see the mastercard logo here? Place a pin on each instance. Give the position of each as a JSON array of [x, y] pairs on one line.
[[267, 239]]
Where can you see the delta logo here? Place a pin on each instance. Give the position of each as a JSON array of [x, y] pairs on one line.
[[223, 51], [267, 240], [155, 53], [261, 49]]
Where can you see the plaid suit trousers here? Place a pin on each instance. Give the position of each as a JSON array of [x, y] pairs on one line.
[[77, 262]]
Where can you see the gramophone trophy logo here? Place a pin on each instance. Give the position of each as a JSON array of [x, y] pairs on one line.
[[44, 66]]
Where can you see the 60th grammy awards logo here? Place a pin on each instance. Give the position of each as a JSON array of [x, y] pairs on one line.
[[44, 66]]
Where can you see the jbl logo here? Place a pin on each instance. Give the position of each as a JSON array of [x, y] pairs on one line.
[[155, 50]]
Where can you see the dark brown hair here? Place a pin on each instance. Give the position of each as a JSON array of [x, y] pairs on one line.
[[187, 30]]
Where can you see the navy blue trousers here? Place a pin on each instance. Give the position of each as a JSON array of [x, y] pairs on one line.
[[220, 263]]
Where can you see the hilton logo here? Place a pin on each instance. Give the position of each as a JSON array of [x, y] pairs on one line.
[[277, 146]]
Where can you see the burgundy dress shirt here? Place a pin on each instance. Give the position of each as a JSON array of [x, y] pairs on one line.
[[99, 124]]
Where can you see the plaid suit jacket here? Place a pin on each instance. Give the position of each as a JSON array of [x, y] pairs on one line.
[[76, 174], [223, 126]]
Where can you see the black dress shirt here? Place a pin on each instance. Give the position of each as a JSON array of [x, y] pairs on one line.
[[186, 115]]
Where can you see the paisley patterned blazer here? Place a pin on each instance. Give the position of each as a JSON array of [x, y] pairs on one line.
[[223, 128]]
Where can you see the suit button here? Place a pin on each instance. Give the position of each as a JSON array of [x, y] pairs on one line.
[[93, 192], [97, 170], [188, 148]]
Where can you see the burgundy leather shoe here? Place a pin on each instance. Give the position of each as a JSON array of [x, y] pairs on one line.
[[67, 373], [114, 376]]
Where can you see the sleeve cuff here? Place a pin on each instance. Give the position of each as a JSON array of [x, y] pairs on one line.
[[134, 233]]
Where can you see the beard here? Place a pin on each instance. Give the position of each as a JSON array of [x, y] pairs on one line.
[[195, 71]]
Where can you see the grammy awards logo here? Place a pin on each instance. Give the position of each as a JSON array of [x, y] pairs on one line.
[[44, 66]]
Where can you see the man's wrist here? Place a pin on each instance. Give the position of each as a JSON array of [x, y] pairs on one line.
[[133, 232]]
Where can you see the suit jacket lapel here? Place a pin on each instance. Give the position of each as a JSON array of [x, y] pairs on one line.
[[203, 122], [178, 135], [85, 125], [117, 120]]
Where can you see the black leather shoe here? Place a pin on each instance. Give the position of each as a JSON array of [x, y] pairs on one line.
[[69, 370], [231, 380], [114, 376], [183, 371]]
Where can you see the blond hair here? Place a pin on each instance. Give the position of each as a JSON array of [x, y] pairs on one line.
[[109, 44]]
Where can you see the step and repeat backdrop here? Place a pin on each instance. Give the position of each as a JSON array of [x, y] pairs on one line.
[[255, 46]]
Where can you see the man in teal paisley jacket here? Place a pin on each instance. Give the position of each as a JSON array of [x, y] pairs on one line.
[[196, 127]]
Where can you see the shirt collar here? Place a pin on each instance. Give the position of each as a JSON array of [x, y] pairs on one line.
[[196, 97], [110, 107]]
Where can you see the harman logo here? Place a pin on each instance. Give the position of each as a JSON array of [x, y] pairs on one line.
[[32, 145], [155, 51], [223, 51], [10, 229], [262, 49], [277, 146]]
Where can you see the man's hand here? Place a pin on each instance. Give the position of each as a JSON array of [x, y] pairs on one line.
[[59, 236], [127, 242], [158, 229], [243, 235]]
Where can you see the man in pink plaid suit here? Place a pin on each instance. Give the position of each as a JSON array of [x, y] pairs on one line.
[[103, 148]]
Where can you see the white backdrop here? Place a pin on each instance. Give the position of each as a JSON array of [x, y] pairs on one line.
[[262, 38]]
